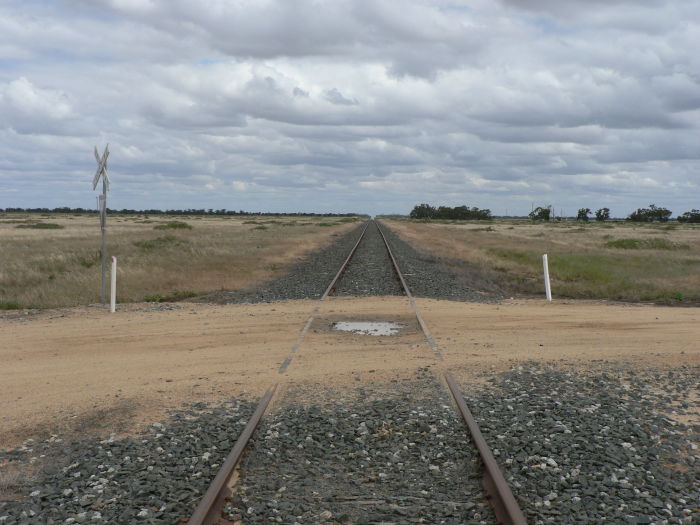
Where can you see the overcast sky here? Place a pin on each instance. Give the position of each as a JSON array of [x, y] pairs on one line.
[[352, 105]]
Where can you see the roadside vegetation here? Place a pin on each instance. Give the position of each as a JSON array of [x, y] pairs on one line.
[[625, 260], [53, 259]]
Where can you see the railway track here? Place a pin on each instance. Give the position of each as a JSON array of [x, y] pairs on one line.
[[505, 507]]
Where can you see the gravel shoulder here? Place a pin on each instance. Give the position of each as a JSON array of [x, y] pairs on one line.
[[157, 476], [605, 444]]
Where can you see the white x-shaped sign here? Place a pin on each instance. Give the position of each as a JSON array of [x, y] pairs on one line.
[[101, 168]]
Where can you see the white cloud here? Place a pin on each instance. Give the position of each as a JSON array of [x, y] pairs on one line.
[[269, 104], [29, 109]]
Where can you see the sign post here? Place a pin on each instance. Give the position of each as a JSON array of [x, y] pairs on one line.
[[102, 172], [547, 286]]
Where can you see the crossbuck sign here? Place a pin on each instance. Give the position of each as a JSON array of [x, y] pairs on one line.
[[102, 173]]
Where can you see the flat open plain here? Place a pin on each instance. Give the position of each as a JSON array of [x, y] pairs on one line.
[[590, 406]]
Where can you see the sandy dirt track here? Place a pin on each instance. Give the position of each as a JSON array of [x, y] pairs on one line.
[[86, 370]]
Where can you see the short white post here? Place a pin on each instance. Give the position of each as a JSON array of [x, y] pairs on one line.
[[547, 287], [113, 294]]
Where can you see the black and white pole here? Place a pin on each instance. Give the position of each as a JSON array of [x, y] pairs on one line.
[[102, 172]]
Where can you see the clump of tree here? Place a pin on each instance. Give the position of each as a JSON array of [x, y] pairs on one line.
[[651, 214], [459, 213], [583, 214], [602, 214], [541, 213], [690, 216]]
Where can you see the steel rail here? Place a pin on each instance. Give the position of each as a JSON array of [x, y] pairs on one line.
[[502, 500], [416, 311], [209, 509], [507, 511], [344, 266], [288, 361], [395, 265], [208, 512], [499, 494]]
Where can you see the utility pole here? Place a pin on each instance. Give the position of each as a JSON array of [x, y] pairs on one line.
[[102, 172]]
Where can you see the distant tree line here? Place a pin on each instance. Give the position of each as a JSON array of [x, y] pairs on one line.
[[651, 214], [690, 216], [426, 211], [188, 211], [602, 214]]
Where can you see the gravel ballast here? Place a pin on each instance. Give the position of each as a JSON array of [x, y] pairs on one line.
[[307, 279], [370, 271], [428, 276], [595, 447], [156, 477], [383, 456], [604, 445]]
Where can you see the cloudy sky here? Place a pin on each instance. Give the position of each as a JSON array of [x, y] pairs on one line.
[[352, 105]]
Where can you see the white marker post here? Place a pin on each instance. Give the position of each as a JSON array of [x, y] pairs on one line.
[[547, 287], [113, 293]]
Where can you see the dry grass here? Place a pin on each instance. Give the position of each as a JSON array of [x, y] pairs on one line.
[[157, 258], [622, 261]]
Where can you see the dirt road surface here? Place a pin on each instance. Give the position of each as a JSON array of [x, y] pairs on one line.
[[86, 370]]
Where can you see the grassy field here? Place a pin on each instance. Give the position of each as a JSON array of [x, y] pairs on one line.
[[621, 261], [53, 260]]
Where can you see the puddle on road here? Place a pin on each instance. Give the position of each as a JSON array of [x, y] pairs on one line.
[[369, 328]]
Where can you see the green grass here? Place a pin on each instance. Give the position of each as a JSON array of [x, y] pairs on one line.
[[41, 226], [272, 221], [654, 243], [89, 262], [517, 256], [614, 276], [10, 305], [178, 295], [158, 243], [175, 295], [448, 221], [173, 225]]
